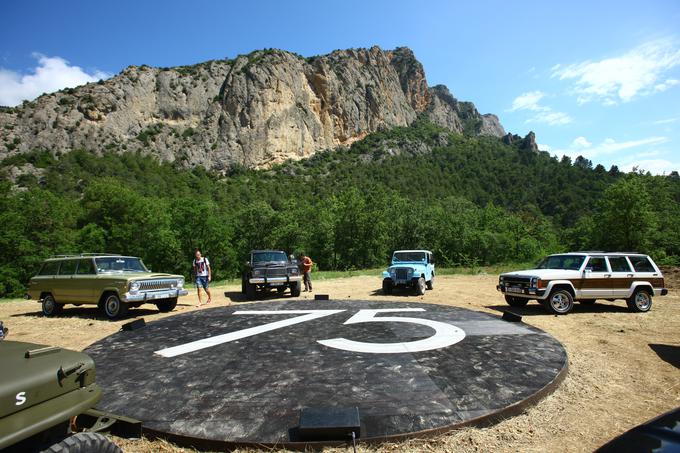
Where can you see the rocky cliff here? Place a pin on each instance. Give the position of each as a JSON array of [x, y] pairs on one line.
[[255, 110]]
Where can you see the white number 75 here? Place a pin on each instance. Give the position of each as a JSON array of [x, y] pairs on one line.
[[445, 334]]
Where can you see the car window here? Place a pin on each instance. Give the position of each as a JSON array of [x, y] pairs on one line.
[[120, 264], [619, 264], [597, 264], [564, 262], [409, 256], [50, 268], [68, 267], [641, 264], [85, 267]]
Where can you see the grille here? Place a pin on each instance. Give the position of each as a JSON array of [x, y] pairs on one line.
[[522, 282], [153, 285], [275, 272], [402, 274]]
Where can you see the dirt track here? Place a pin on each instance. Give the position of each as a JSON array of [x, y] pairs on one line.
[[624, 368]]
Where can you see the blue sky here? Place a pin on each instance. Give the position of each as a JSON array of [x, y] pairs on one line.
[[601, 79]]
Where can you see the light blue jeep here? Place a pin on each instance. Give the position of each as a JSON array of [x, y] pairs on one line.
[[410, 268]]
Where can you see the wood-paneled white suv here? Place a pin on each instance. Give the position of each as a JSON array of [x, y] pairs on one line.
[[559, 280]]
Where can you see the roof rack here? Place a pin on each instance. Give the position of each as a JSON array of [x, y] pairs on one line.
[[84, 255]]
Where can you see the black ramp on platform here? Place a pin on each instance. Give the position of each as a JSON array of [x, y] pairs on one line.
[[242, 374]]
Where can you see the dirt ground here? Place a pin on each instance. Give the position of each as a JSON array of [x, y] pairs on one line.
[[624, 368]]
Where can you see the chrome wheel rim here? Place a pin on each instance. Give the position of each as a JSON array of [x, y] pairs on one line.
[[642, 301], [112, 305], [48, 305], [560, 302]]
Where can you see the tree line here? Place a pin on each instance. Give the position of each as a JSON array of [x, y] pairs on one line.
[[471, 200]]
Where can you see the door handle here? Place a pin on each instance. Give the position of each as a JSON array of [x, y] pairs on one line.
[[629, 275], [607, 275]]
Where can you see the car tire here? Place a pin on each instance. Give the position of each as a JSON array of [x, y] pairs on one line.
[[559, 302], [84, 442], [50, 307], [296, 289], [250, 291], [586, 301], [516, 301], [430, 284], [640, 301], [113, 307], [420, 286], [387, 286], [166, 305]]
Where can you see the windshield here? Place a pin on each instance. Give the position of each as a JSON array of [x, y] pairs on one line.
[[120, 264], [408, 256], [266, 257], [564, 262]]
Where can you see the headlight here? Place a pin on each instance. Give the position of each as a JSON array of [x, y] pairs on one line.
[[134, 286], [258, 272], [534, 282], [180, 282], [500, 279], [293, 270]]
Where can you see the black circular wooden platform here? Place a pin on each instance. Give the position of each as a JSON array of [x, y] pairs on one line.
[[240, 375]]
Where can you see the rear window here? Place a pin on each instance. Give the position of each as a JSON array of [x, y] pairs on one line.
[[641, 264], [49, 268], [68, 267], [619, 264]]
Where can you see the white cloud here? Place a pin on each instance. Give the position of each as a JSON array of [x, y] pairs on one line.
[[621, 78], [528, 101], [531, 101], [51, 74], [608, 146], [581, 142], [666, 121], [655, 166]]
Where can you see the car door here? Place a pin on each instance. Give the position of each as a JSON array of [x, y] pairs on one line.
[[64, 291], [84, 280], [622, 276], [596, 281]]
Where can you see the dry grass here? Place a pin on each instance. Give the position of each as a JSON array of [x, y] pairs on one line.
[[615, 379]]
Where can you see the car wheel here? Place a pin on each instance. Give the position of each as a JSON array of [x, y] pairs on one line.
[[84, 443], [250, 291], [387, 286], [113, 307], [586, 301], [166, 305], [640, 301], [430, 284], [559, 302], [296, 289], [516, 301], [50, 307], [420, 286]]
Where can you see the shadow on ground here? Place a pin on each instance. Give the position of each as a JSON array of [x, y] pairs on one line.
[[667, 353], [93, 312], [535, 309], [237, 296]]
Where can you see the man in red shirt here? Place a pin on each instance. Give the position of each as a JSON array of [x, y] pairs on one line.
[[306, 268]]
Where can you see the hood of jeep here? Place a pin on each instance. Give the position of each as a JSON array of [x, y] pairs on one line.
[[544, 274]]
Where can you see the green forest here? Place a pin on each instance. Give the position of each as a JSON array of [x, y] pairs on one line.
[[471, 200]]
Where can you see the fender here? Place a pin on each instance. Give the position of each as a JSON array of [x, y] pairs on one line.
[[642, 284], [553, 283]]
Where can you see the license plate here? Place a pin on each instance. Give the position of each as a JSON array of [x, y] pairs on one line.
[[276, 284], [160, 296], [513, 289]]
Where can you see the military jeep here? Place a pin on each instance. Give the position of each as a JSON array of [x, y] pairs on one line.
[[410, 269], [115, 283], [43, 391], [270, 269]]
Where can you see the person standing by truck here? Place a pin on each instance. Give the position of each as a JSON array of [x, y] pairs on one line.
[[306, 268], [203, 273]]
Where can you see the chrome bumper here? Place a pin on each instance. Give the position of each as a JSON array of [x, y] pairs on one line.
[[267, 280], [144, 296]]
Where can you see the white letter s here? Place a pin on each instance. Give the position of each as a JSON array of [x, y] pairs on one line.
[[21, 398]]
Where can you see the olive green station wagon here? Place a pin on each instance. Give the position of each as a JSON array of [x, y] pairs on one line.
[[114, 283]]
